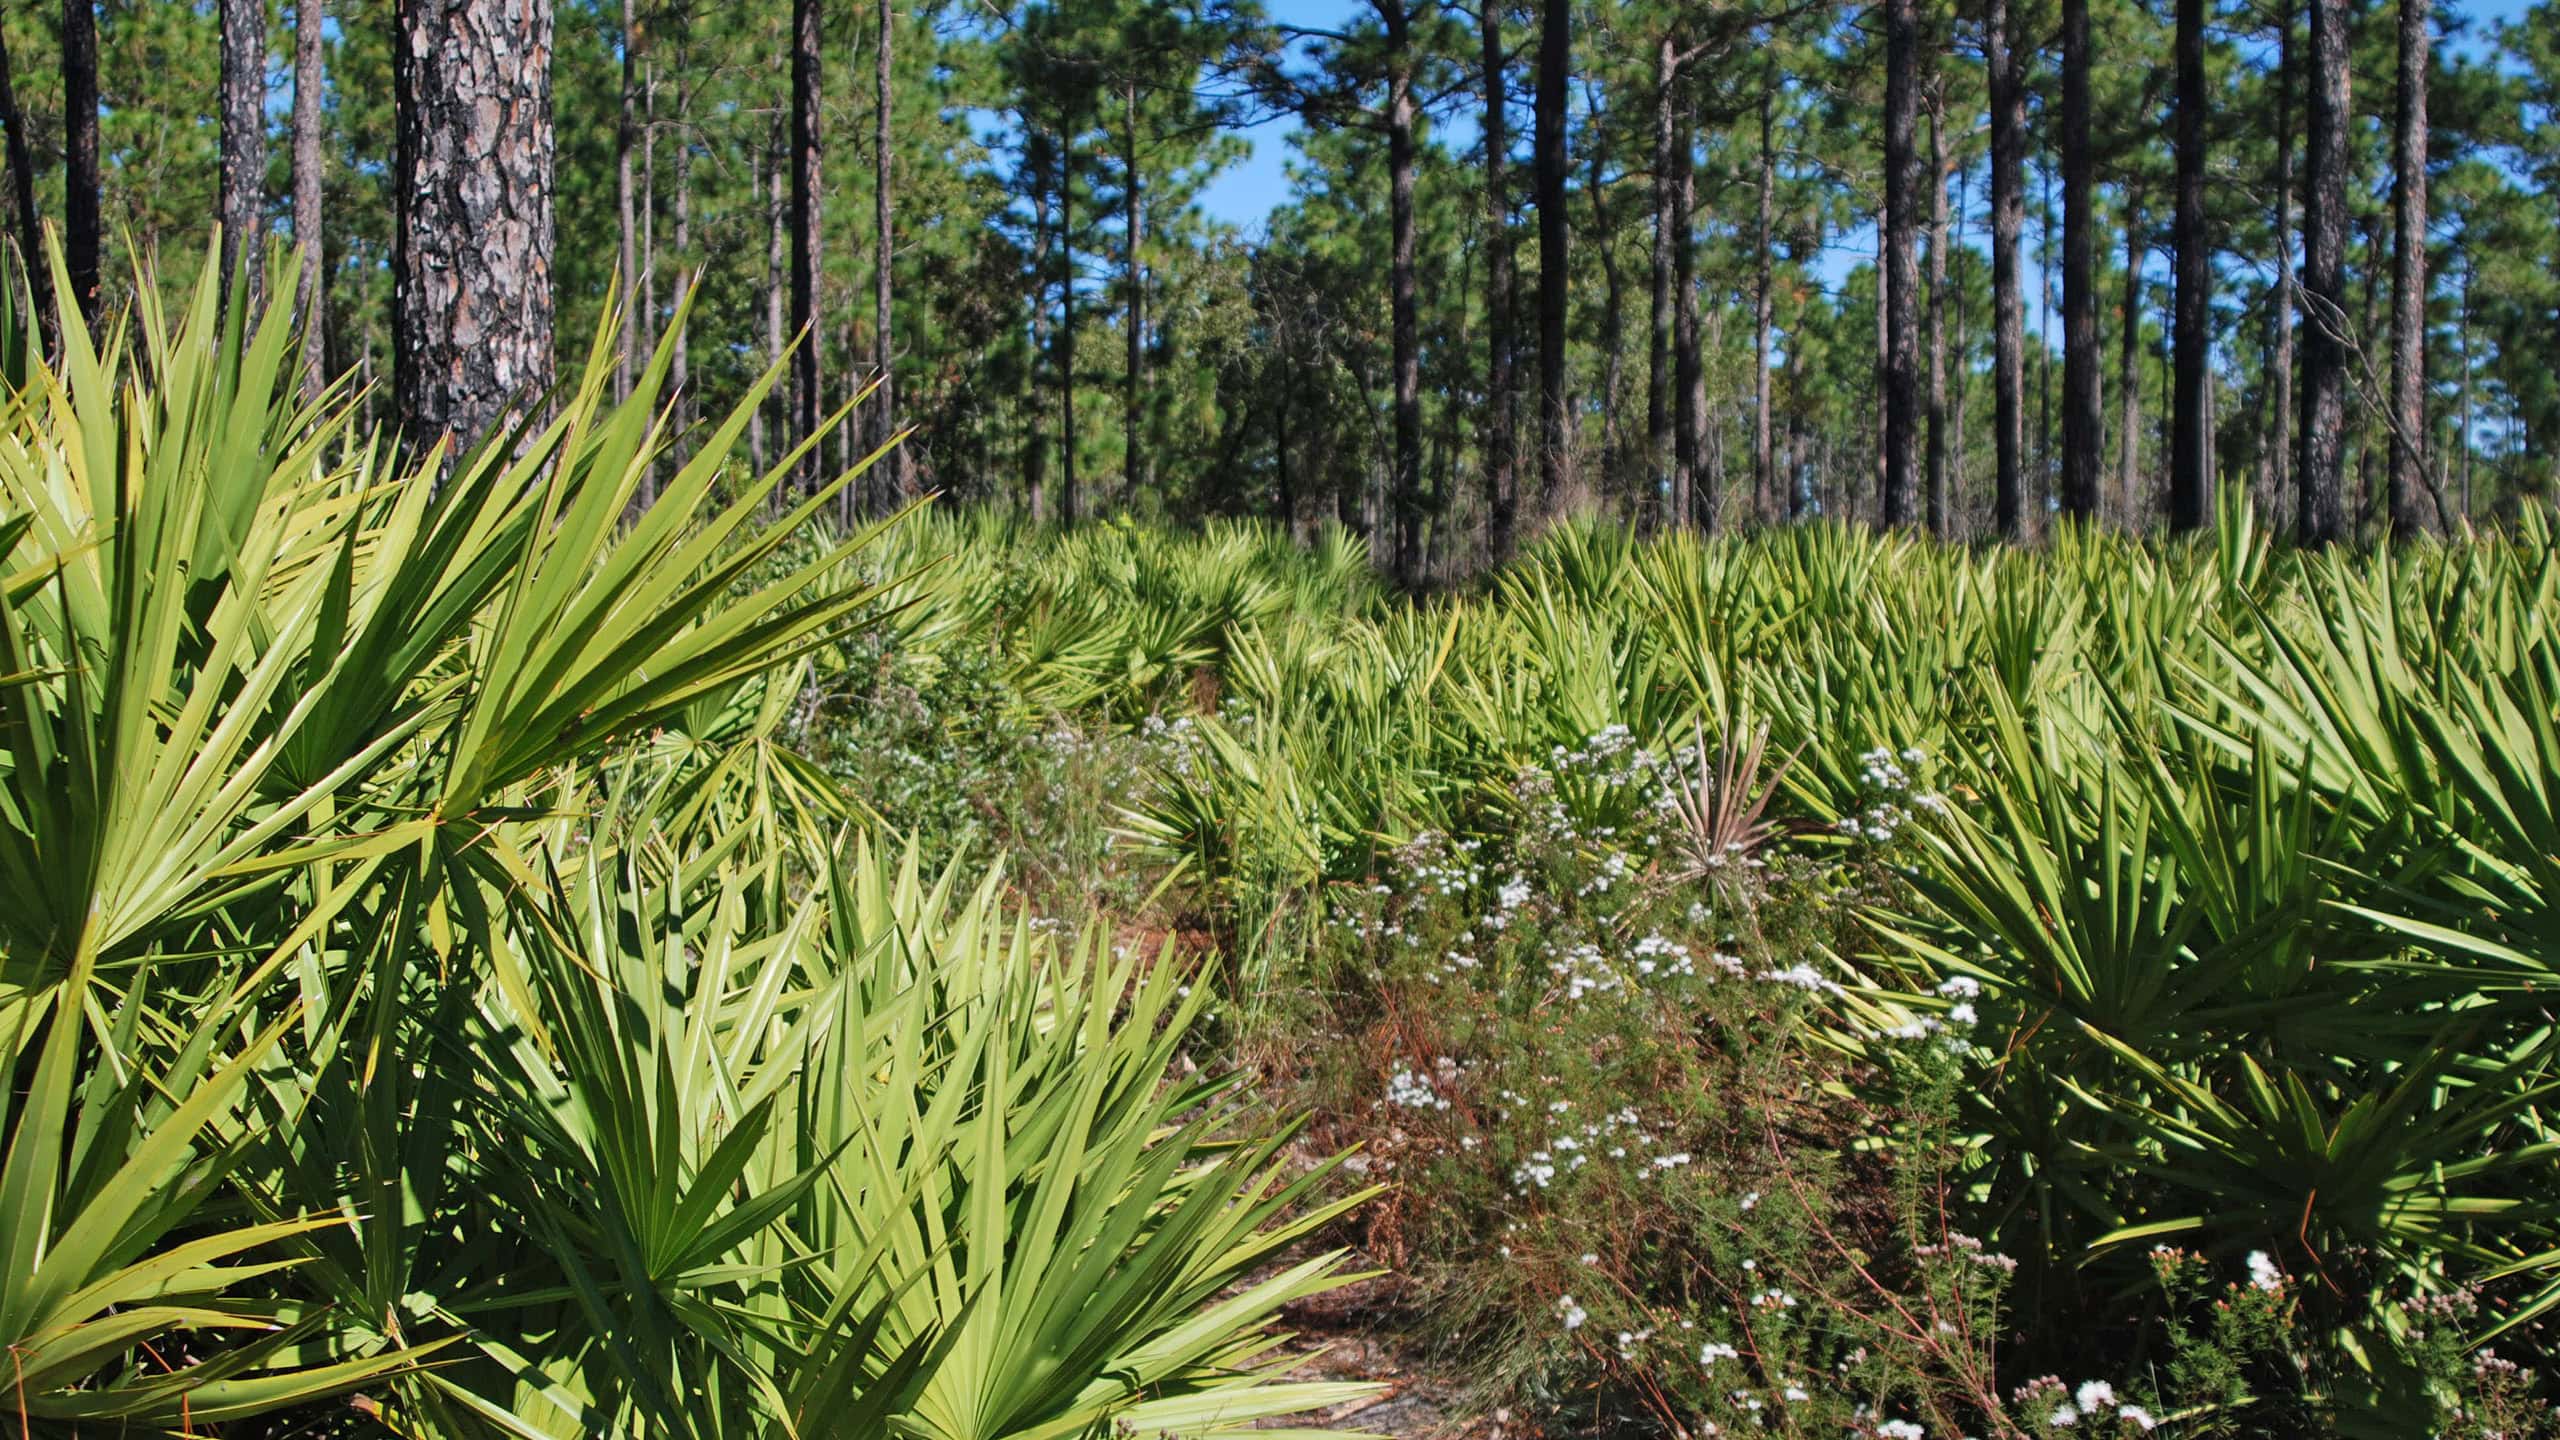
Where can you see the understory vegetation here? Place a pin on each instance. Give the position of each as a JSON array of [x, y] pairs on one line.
[[555, 941]]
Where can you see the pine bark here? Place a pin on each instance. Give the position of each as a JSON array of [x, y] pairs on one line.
[[1937, 498], [243, 148], [1501, 430], [1658, 379], [1406, 484], [2128, 361], [2280, 305], [884, 253], [473, 231], [807, 209], [1902, 290], [626, 133], [1067, 437], [2320, 457], [310, 180], [1133, 266], [22, 183], [2083, 428], [2410, 515], [2190, 466], [1763, 457], [81, 235], [2008, 215], [1555, 43], [1691, 505]]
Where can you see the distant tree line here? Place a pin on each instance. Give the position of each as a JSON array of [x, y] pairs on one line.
[[1576, 254]]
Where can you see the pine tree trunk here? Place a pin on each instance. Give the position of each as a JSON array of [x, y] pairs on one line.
[[1501, 290], [1555, 43], [626, 132], [1067, 436], [473, 231], [884, 254], [807, 180], [33, 262], [680, 363], [1658, 378], [1134, 271], [1035, 459], [310, 179], [243, 141], [2128, 375], [1763, 458], [2190, 472], [1902, 263], [1406, 485], [1938, 310], [2083, 427], [81, 237], [2321, 452], [1612, 324], [1959, 457], [2008, 214], [2409, 515], [2280, 305], [1696, 501]]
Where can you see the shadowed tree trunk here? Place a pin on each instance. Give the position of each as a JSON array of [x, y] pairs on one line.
[[244, 151], [1902, 268], [2321, 456], [22, 185], [1555, 43], [2409, 516], [1938, 309], [1501, 428], [1658, 377], [1763, 459], [1694, 507], [2279, 446], [2190, 468], [1406, 485], [472, 248], [806, 182], [310, 178], [2008, 214], [1067, 446], [2083, 428], [626, 133], [884, 253], [80, 232], [2128, 359], [1133, 224]]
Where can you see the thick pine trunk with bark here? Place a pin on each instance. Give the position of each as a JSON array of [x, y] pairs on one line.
[[1405, 307], [2190, 467], [310, 178], [1555, 43], [2279, 445], [1763, 459], [2008, 215], [2320, 460], [807, 17], [2410, 514], [473, 233], [243, 141], [1688, 480], [1937, 498], [1501, 429], [22, 184], [1902, 268], [2083, 428], [81, 235], [884, 254]]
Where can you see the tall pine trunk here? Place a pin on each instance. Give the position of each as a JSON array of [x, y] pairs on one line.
[[1691, 505], [1067, 437], [81, 236], [2083, 428], [1658, 378], [807, 20], [1501, 429], [2321, 455], [1406, 483], [22, 184], [626, 134], [1937, 499], [1902, 268], [2190, 467], [473, 233], [884, 255], [2409, 278], [1133, 225], [2128, 360], [1763, 458], [310, 177], [243, 140], [1612, 325], [2279, 445], [2008, 214], [1555, 42]]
